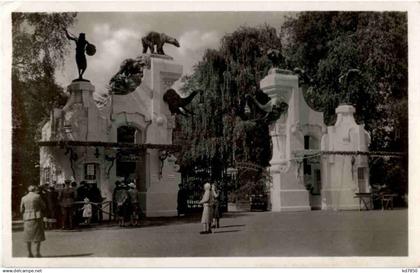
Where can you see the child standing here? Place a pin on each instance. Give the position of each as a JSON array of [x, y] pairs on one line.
[[87, 211]]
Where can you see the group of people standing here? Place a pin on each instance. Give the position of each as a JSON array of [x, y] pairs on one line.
[[45, 206], [64, 205], [40, 208], [69, 205], [126, 203], [211, 208]]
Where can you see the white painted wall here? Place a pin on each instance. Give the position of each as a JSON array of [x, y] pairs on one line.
[[144, 109], [340, 172], [288, 192]]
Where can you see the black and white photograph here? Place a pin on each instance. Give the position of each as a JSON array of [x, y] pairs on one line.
[[193, 133]]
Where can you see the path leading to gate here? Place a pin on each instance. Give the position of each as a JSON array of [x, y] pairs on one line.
[[315, 233]]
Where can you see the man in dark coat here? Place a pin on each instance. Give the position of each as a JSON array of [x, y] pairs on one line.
[[122, 200], [182, 201], [67, 197], [94, 195], [114, 201], [52, 206], [82, 191]]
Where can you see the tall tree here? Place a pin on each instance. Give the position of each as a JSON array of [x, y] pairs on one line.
[[328, 44], [217, 135], [39, 47]]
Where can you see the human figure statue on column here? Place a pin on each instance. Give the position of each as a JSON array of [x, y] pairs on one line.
[[82, 46]]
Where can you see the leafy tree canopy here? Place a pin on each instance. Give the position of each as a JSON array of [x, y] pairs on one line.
[[226, 75], [39, 42], [325, 45], [39, 47], [328, 44]]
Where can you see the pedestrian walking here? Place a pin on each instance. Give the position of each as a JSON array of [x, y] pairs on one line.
[[87, 211], [32, 207], [207, 202], [52, 206], [67, 198], [216, 207], [134, 208]]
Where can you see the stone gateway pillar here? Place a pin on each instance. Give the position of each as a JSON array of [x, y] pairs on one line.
[[144, 108], [161, 196], [345, 175], [288, 133]]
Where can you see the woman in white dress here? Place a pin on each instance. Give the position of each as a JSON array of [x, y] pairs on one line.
[[207, 202]]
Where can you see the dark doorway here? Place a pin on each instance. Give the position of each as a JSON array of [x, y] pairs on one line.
[[126, 134], [131, 163], [126, 163]]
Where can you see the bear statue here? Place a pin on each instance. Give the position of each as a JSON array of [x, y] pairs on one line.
[[153, 39]]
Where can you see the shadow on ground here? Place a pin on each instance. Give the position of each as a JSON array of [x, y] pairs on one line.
[[69, 255], [227, 231], [161, 221]]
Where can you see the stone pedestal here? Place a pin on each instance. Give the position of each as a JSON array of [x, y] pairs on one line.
[[81, 118]]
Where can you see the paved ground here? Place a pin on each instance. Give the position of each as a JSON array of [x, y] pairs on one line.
[[315, 233]]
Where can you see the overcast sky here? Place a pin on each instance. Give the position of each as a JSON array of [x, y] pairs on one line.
[[117, 37]]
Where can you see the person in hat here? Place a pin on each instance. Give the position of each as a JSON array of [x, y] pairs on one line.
[[87, 211], [207, 202], [67, 197], [32, 207], [52, 204], [122, 202], [216, 207], [42, 191], [134, 202]]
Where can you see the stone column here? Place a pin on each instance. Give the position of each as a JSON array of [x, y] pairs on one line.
[[288, 192], [164, 72], [161, 195]]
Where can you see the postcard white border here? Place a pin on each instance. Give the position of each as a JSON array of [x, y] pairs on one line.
[[411, 7]]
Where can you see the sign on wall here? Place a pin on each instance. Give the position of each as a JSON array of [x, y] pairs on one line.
[[90, 171]]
